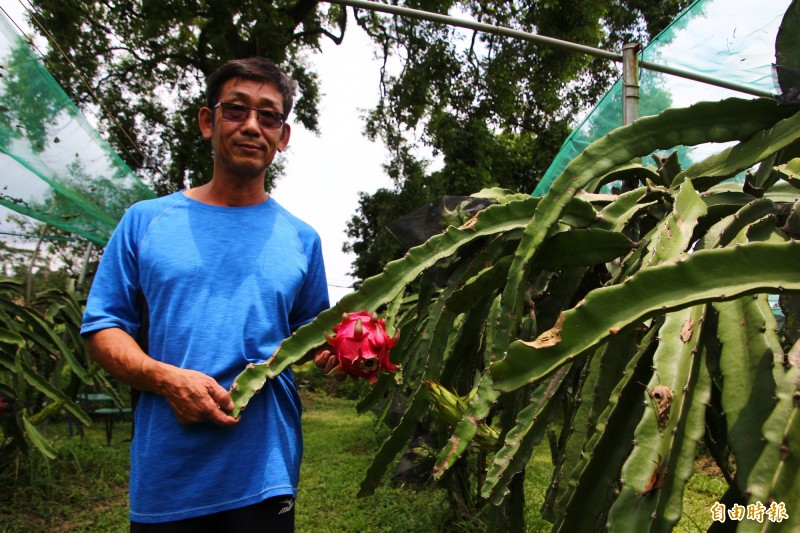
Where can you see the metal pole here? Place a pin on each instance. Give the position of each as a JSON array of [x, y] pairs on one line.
[[32, 264], [86, 256], [630, 83], [548, 41]]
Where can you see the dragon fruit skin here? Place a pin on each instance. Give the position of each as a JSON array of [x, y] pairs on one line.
[[362, 345]]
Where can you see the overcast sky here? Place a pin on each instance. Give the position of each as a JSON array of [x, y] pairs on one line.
[[325, 173]]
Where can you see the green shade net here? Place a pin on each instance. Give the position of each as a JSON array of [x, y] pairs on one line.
[[54, 166], [721, 39]]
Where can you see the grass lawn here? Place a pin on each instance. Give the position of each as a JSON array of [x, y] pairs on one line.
[[339, 446], [86, 488]]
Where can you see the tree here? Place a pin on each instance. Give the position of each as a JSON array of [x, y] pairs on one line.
[[144, 62], [495, 109]]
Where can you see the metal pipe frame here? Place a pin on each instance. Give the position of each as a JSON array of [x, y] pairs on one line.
[[547, 41]]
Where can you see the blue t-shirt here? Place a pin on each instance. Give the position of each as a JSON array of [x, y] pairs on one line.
[[224, 286]]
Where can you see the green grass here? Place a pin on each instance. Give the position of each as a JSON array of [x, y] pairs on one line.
[[86, 488], [339, 445], [704, 488]]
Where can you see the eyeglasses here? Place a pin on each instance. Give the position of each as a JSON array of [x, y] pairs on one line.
[[267, 119]]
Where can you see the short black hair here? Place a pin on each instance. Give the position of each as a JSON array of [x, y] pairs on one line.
[[251, 68]]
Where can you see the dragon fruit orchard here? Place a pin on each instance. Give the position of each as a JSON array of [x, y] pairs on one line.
[[362, 345]]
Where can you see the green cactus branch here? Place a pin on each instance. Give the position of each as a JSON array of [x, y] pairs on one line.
[[467, 428], [432, 350], [606, 369], [590, 486], [750, 350], [662, 458], [700, 277], [776, 474], [732, 119], [648, 264], [616, 215], [581, 247], [748, 214], [531, 423], [744, 155], [42, 335], [673, 235]]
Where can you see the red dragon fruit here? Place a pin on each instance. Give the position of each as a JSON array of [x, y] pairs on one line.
[[362, 345]]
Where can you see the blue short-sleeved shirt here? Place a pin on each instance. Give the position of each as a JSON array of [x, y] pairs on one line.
[[223, 287]]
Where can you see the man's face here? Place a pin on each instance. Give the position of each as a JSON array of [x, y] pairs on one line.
[[244, 149]]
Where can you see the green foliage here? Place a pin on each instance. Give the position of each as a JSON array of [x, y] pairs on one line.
[[495, 109], [43, 367], [620, 330], [85, 489]]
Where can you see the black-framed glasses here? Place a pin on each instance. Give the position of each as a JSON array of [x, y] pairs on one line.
[[267, 118]]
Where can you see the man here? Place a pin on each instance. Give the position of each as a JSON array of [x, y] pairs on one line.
[[191, 288]]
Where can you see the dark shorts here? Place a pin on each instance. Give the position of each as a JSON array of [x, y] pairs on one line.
[[273, 515]]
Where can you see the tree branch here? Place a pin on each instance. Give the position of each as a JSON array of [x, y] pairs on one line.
[[342, 22]]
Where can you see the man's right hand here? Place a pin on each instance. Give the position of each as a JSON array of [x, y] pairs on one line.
[[196, 397], [327, 362]]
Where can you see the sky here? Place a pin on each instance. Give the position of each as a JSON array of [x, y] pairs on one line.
[[325, 173]]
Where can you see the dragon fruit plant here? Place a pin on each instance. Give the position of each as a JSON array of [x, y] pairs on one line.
[[361, 344], [568, 330], [617, 329]]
